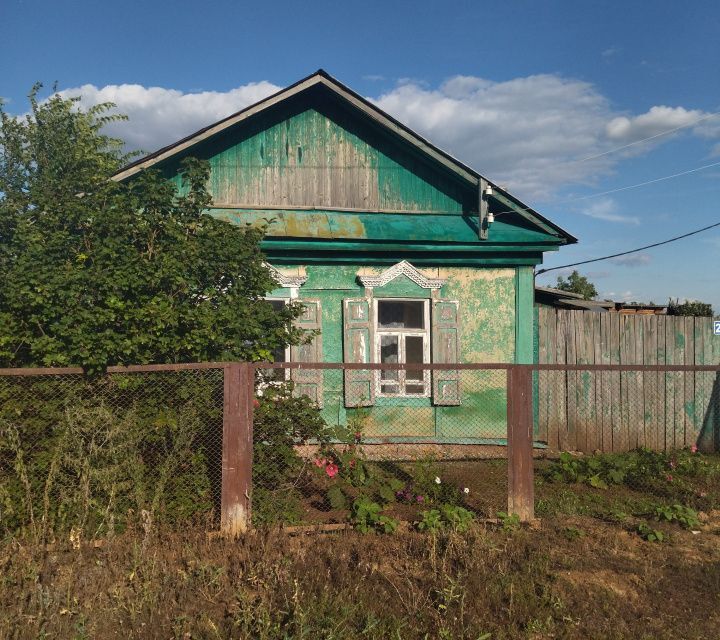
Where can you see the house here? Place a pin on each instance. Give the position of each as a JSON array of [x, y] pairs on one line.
[[559, 299], [399, 252]]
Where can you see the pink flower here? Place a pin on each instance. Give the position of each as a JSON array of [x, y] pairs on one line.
[[256, 403], [351, 464], [668, 477], [331, 469], [694, 448], [319, 463], [419, 498]]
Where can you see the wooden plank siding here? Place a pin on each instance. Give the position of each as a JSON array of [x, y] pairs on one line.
[[302, 156], [613, 411]]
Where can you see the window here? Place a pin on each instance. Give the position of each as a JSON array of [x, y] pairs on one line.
[[280, 354], [402, 336]]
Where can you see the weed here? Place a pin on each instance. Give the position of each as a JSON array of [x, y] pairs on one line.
[[646, 532], [508, 522], [573, 533], [684, 516], [367, 516], [430, 520]]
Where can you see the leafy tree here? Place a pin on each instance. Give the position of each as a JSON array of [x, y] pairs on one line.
[[689, 308], [576, 283], [96, 272]]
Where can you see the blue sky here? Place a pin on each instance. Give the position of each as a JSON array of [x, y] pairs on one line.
[[535, 95]]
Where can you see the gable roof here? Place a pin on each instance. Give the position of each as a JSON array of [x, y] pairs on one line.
[[322, 78]]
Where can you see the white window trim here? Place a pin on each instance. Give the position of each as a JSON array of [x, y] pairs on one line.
[[423, 333]]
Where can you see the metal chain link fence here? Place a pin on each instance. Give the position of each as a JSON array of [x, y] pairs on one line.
[[90, 457], [628, 442], [335, 444], [379, 441]]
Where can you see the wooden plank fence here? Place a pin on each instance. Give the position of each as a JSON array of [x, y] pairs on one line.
[[613, 411]]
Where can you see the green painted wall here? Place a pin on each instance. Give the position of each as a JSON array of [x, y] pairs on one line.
[[487, 298], [325, 157]]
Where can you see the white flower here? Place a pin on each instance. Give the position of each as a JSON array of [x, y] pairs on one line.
[[466, 490], [437, 480]]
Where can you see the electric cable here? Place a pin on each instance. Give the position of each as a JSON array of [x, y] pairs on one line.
[[625, 253]]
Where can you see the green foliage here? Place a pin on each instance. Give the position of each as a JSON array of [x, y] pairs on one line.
[[684, 516], [75, 463], [457, 518], [573, 533], [281, 421], [576, 283], [98, 272], [508, 522], [689, 308], [337, 498], [646, 532], [448, 516], [429, 484], [367, 517], [672, 474], [430, 520]]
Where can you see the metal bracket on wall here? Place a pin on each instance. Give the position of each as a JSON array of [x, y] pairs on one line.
[[482, 210]]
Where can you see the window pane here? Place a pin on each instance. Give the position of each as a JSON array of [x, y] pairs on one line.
[[390, 389], [277, 304], [397, 314], [415, 388], [414, 353], [389, 349]]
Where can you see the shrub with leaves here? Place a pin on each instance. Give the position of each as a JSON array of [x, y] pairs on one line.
[[646, 532], [282, 421], [99, 272], [684, 516], [448, 516], [673, 474], [367, 517]]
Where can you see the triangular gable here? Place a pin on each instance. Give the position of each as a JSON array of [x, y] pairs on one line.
[[387, 122]]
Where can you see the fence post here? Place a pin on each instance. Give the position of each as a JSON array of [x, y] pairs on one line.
[[521, 495], [237, 448]]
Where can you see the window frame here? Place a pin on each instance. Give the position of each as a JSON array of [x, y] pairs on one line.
[[402, 333]]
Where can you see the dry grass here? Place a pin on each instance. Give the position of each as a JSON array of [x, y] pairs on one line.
[[573, 578]]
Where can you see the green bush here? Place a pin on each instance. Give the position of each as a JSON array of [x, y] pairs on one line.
[[282, 421], [367, 517]]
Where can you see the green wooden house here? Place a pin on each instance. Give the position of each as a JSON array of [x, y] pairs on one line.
[[399, 252]]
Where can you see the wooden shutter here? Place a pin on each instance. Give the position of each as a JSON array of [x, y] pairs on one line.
[[445, 339], [358, 337], [309, 382]]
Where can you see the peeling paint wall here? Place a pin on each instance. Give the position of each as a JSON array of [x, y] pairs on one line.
[[488, 334], [302, 156]]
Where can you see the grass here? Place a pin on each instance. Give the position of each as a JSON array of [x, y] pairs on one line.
[[605, 582]]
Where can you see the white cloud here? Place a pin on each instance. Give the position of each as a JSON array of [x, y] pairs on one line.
[[606, 209], [157, 116], [611, 52], [529, 133], [656, 121], [622, 296], [633, 260]]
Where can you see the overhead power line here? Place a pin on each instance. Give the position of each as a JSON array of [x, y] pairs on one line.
[[626, 188], [625, 253], [657, 135]]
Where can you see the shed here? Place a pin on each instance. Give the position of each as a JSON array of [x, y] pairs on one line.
[[400, 253]]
